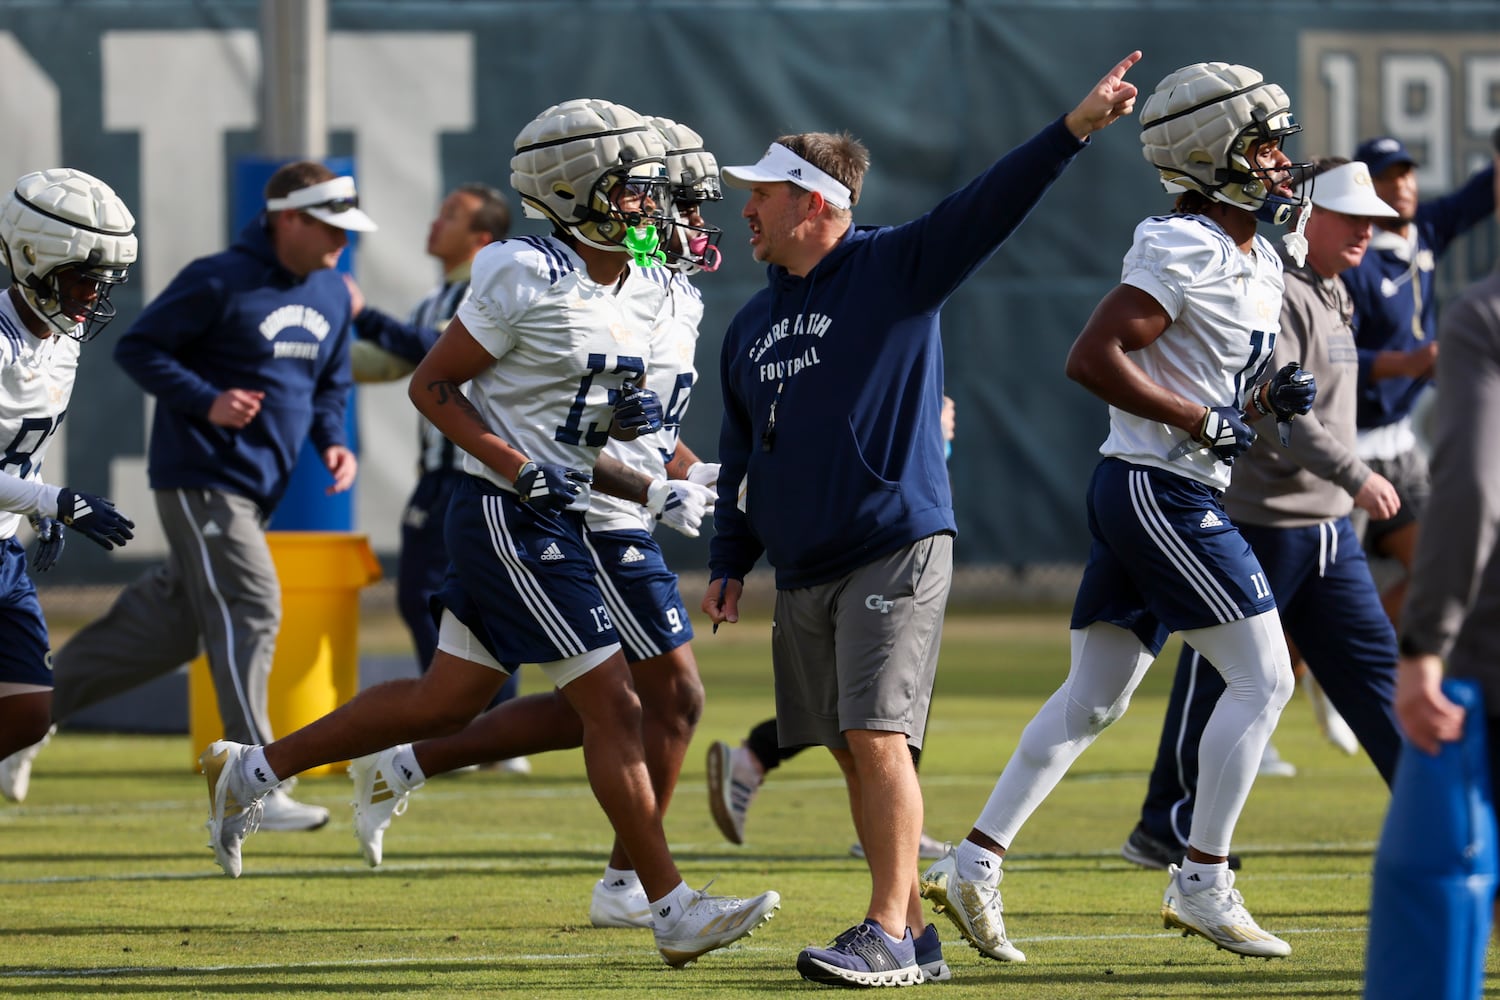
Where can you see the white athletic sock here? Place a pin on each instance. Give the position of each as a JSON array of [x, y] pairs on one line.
[[621, 879], [408, 773], [256, 772], [975, 864], [669, 909], [1194, 876]]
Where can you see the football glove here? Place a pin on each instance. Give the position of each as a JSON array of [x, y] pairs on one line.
[[1225, 433], [94, 517], [49, 543], [704, 474], [549, 487], [638, 409], [1291, 391], [679, 504]]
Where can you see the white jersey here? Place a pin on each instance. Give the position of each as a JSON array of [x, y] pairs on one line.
[[1225, 307], [36, 382], [671, 375], [564, 347]]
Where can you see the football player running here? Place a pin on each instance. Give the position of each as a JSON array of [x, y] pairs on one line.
[[1180, 351], [67, 240]]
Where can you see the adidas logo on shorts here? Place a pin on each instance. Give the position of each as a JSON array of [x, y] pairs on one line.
[[551, 553], [1210, 520], [632, 555]]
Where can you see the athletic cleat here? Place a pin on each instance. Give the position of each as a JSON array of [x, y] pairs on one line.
[[1152, 852], [15, 770], [863, 956], [930, 956], [621, 905], [234, 811], [733, 780], [710, 922], [929, 848], [1272, 765], [1218, 913], [376, 800], [280, 813], [1335, 730], [514, 765], [974, 908]]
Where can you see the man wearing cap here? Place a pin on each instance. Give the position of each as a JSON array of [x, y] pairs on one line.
[[247, 354], [1292, 502], [1395, 323], [832, 454]]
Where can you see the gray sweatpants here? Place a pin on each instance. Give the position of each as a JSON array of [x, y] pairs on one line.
[[218, 592]]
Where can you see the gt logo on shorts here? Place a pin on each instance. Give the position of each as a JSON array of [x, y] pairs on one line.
[[877, 602]]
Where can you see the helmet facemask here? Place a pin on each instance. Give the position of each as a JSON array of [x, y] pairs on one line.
[[74, 298], [1245, 182]]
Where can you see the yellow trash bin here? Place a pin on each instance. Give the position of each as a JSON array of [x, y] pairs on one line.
[[316, 667]]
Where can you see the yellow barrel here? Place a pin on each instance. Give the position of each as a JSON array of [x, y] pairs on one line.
[[316, 667]]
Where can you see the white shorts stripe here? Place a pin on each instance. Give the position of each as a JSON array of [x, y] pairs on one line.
[[1177, 552], [626, 623], [533, 596]]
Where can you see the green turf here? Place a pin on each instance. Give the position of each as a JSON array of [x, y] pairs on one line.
[[108, 889]]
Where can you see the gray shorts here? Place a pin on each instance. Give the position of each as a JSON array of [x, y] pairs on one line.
[[1409, 474], [861, 652]]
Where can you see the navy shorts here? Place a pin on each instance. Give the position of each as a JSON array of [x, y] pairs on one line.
[[1165, 557], [25, 652], [522, 580], [640, 592]]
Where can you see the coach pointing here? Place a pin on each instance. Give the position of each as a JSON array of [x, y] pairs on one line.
[[832, 378]]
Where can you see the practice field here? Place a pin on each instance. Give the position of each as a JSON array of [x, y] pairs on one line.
[[109, 890]]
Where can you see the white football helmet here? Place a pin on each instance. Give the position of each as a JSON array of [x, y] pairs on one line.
[[694, 175], [67, 239], [572, 159], [1198, 126]]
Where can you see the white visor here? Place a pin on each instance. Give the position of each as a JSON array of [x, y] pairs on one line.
[[334, 202], [781, 164], [1348, 189]]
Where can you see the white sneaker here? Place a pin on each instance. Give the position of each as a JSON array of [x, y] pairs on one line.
[[376, 800], [1218, 913], [734, 776], [15, 770], [929, 848], [1273, 766], [515, 765], [709, 922], [281, 813], [1332, 724], [974, 908], [233, 810], [623, 905]]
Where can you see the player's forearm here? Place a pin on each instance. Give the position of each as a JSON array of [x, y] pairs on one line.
[[682, 460], [450, 411], [614, 477]]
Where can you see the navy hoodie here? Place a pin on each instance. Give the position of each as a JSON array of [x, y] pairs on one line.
[[239, 320], [852, 360]]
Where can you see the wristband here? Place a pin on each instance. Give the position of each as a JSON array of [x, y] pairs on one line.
[[1257, 396]]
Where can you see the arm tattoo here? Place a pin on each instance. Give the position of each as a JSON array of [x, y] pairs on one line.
[[445, 391]]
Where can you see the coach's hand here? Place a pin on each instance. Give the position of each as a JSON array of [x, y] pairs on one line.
[[49, 543], [1225, 433], [94, 517], [679, 504], [549, 487]]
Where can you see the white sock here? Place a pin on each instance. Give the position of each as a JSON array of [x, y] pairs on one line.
[[257, 773], [669, 909], [408, 773], [1194, 876], [621, 879], [975, 864]]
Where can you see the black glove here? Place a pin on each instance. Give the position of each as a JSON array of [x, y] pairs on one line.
[[1291, 391], [1225, 433], [49, 543], [638, 408], [549, 487], [94, 517]]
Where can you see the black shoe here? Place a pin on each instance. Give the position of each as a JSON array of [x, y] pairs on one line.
[[1145, 850]]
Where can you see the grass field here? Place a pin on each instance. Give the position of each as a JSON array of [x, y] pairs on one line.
[[108, 889]]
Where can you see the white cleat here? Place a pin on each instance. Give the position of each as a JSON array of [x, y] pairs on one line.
[[15, 770], [282, 813], [710, 922], [1273, 765], [974, 907], [380, 795], [734, 776], [1330, 722], [234, 811], [1218, 913], [623, 905]]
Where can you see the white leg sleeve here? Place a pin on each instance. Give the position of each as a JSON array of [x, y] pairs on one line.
[[1108, 663], [1252, 657]]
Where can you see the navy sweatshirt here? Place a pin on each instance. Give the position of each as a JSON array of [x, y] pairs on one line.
[[852, 359], [239, 320]]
